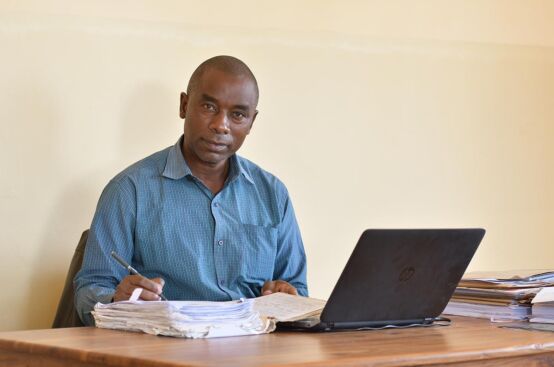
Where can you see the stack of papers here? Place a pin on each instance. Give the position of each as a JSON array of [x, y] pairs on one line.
[[499, 297], [183, 318], [202, 319]]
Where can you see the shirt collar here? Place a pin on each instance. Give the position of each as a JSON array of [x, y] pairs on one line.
[[236, 168], [176, 167]]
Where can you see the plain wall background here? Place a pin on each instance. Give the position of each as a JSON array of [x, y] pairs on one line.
[[375, 114]]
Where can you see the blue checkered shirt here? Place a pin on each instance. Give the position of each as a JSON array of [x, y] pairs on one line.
[[166, 223]]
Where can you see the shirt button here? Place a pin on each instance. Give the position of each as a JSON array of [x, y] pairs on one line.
[[221, 282], [216, 205], [220, 242]]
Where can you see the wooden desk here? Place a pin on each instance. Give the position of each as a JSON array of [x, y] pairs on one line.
[[467, 342]]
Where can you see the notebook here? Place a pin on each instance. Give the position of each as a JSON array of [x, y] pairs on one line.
[[397, 277]]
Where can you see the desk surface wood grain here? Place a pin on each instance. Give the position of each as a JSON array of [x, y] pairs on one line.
[[466, 342]]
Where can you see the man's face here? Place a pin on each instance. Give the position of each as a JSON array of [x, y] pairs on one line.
[[219, 113]]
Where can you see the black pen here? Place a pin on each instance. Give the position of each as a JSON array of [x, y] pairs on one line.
[[131, 269]]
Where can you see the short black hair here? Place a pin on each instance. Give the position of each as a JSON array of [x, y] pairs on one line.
[[227, 64]]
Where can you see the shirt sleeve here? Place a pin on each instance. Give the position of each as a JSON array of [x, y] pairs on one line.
[[290, 262], [112, 229]]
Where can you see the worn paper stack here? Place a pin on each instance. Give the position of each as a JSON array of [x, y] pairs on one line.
[[497, 296], [202, 319], [182, 318]]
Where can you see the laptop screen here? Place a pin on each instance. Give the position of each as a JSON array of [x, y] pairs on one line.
[[400, 275]]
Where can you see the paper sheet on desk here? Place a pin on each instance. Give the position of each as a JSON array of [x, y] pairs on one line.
[[286, 307]]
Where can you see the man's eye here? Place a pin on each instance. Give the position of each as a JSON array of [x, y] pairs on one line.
[[208, 106], [237, 115]]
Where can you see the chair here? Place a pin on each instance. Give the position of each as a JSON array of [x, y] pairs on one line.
[[66, 315]]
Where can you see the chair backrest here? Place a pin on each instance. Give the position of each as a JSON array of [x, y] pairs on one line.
[[66, 315]]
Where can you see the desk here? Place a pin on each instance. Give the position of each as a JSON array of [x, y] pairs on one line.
[[467, 342]]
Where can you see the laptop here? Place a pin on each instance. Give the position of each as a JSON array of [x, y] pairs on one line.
[[397, 278]]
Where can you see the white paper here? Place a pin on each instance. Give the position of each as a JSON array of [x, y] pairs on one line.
[[286, 307], [545, 295], [135, 295]]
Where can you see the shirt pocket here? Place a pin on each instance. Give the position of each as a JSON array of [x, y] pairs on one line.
[[257, 248]]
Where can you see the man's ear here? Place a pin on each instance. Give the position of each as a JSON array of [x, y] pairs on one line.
[[253, 119], [183, 105]]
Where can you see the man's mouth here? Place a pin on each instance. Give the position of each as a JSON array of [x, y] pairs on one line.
[[215, 145]]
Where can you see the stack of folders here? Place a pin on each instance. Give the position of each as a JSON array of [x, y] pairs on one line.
[[497, 296], [202, 319]]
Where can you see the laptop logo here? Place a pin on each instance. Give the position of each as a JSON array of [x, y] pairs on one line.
[[406, 274]]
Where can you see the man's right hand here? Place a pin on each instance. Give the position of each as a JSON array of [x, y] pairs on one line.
[[151, 288]]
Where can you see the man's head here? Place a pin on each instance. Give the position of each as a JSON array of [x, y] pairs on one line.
[[219, 109]]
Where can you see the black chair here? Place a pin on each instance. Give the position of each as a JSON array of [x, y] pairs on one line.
[[66, 315]]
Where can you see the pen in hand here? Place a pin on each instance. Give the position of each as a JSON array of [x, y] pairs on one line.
[[131, 269]]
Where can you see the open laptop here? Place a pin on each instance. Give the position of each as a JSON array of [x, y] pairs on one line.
[[397, 277]]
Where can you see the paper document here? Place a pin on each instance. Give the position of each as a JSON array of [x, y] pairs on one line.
[[545, 295], [508, 279], [518, 294], [286, 307], [203, 319], [523, 275], [187, 319]]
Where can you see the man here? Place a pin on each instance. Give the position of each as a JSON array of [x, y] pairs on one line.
[[197, 221]]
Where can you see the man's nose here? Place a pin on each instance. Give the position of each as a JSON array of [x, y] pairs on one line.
[[220, 123]]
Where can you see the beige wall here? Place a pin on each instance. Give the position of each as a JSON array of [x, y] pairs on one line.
[[375, 114]]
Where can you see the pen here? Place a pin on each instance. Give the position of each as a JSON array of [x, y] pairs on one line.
[[131, 269]]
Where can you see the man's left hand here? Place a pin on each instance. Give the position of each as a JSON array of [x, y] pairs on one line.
[[273, 286]]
